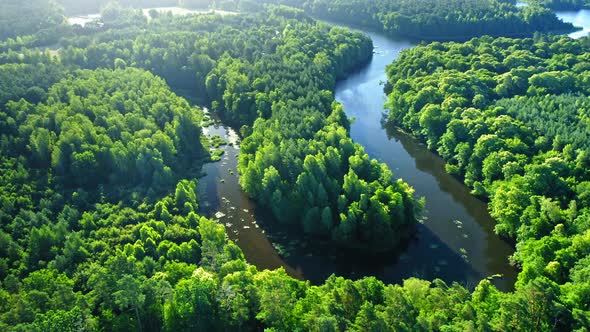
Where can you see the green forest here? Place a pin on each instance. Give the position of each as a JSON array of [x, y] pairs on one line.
[[438, 19], [255, 88], [419, 19], [34, 21], [510, 118], [100, 161]]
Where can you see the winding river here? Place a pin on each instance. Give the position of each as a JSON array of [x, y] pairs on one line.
[[456, 241]]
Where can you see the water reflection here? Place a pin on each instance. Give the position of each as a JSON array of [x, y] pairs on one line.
[[579, 18], [222, 198], [455, 218]]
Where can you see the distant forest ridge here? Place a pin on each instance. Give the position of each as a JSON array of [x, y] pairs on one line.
[[420, 19]]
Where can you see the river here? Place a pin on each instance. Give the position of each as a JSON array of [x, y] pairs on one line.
[[222, 198], [455, 243]]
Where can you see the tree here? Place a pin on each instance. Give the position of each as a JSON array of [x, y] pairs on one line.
[[61, 320], [192, 305], [368, 320]]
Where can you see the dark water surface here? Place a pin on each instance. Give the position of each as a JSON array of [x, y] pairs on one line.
[[222, 198], [456, 242]]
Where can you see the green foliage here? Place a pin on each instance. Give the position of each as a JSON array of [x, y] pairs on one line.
[[510, 116], [114, 15], [107, 133], [437, 19], [99, 227], [246, 67], [36, 17], [111, 230], [28, 77]]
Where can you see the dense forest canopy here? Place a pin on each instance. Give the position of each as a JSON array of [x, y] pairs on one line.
[[437, 19], [109, 155], [255, 73], [511, 117], [18, 18], [422, 19], [99, 159]]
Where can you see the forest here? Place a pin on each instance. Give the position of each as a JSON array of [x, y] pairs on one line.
[[510, 117], [423, 19], [437, 19], [100, 160], [256, 89], [39, 21]]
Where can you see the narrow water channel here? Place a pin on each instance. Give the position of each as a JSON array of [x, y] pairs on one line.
[[222, 198], [456, 242]]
